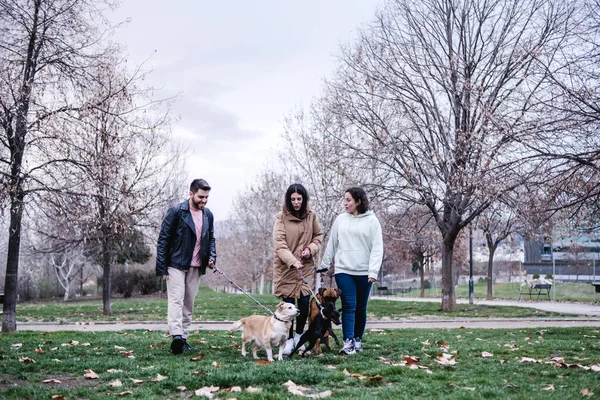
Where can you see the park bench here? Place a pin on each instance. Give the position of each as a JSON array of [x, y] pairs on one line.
[[537, 290], [596, 286], [1, 298], [402, 290]]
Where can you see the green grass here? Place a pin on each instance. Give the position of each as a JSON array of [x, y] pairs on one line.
[[581, 292], [473, 377], [212, 306]]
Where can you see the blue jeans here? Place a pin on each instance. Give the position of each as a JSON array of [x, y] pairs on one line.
[[303, 303], [355, 295]]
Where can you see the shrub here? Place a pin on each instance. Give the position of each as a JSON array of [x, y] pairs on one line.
[[147, 282], [536, 276], [426, 284], [548, 276]]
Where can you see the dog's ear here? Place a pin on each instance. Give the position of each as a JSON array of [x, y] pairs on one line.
[[280, 304], [339, 292], [321, 291]]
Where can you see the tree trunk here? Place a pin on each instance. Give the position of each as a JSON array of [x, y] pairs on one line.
[[9, 316], [106, 274], [67, 291], [490, 272], [448, 293], [422, 276]]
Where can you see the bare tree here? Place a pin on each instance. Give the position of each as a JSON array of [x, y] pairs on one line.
[[67, 266], [437, 95], [46, 48], [497, 223]]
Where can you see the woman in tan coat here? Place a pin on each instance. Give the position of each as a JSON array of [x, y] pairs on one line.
[[297, 238]]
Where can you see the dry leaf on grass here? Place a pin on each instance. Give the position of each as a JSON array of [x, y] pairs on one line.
[[39, 350], [527, 359], [302, 391], [51, 381], [347, 373], [56, 360], [446, 359], [116, 383], [550, 388], [126, 393], [58, 397], [251, 389], [120, 348], [73, 343], [89, 374], [485, 354], [207, 391], [235, 345], [26, 360], [16, 345], [158, 378], [264, 362], [182, 388], [128, 354], [216, 364], [198, 357], [236, 389], [586, 392], [137, 380], [411, 359], [113, 371]]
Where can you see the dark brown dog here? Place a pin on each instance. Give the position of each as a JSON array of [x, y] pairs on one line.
[[325, 296]]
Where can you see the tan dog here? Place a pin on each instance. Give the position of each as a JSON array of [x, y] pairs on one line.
[[325, 296], [266, 331]]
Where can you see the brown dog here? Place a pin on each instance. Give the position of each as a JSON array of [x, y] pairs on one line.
[[325, 296], [266, 331]]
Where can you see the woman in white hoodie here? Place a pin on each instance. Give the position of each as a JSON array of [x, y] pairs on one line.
[[356, 245]]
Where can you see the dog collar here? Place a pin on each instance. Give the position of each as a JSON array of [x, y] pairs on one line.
[[277, 318]]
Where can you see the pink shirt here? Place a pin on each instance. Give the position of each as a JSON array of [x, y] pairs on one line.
[[197, 215]]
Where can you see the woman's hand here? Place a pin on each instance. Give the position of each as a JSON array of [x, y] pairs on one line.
[[371, 280], [297, 265], [305, 253]]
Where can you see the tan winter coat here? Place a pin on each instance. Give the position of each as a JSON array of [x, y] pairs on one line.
[[290, 236]]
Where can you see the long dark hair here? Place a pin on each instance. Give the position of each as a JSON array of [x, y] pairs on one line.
[[360, 197], [301, 190]]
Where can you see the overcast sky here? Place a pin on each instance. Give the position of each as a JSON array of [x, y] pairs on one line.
[[240, 67]]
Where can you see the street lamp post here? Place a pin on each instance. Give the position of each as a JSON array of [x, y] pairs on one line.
[[470, 265]]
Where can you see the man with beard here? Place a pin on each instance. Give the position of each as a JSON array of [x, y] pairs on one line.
[[185, 248]]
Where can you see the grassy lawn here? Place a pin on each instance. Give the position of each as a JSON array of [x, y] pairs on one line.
[[581, 292], [212, 306], [128, 362]]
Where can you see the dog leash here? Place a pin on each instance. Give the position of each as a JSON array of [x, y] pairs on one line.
[[308, 286], [243, 291]]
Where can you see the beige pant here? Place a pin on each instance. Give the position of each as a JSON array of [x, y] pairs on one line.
[[182, 288]]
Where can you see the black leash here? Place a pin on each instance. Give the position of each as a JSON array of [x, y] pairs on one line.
[[246, 293]]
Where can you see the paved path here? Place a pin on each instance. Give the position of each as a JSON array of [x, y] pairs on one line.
[[588, 315]]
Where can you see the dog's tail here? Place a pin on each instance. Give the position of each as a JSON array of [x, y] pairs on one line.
[[238, 324]]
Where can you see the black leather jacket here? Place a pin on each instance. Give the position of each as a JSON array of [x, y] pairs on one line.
[[177, 238]]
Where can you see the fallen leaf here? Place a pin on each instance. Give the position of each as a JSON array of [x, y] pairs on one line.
[[251, 389], [26, 360], [158, 378], [39, 350], [73, 343], [128, 354], [182, 388], [127, 393], [198, 357], [446, 359], [89, 374], [376, 378], [485, 354], [550, 388], [586, 392], [58, 397], [411, 359], [56, 360], [527, 359], [137, 380], [16, 345], [216, 364], [86, 344], [236, 389], [51, 381], [235, 345], [116, 383], [120, 348], [207, 391], [264, 362], [113, 371]]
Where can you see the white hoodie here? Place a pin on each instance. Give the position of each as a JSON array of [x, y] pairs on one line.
[[356, 242]]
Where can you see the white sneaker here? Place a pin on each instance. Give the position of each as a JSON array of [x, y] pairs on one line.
[[357, 344], [348, 348], [289, 347], [297, 337]]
